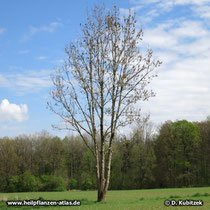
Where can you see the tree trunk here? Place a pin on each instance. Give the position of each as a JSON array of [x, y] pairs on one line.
[[101, 195], [103, 185], [100, 183]]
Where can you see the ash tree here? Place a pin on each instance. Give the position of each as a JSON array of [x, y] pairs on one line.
[[104, 75]]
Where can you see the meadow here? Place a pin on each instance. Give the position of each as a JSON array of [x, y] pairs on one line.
[[119, 200]]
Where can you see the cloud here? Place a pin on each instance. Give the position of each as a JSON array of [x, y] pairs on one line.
[[125, 11], [182, 93], [35, 30], [31, 82], [23, 52], [157, 37], [27, 81], [41, 58], [196, 2], [3, 81], [185, 37], [170, 2], [179, 38], [183, 84], [203, 11], [2, 30], [190, 29], [13, 112], [198, 48], [151, 9]]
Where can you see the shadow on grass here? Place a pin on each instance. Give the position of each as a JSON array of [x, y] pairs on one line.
[[174, 196], [200, 195], [85, 201], [178, 196]]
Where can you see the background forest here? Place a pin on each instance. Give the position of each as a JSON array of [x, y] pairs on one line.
[[177, 155]]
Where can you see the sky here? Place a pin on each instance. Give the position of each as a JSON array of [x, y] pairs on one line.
[[34, 33]]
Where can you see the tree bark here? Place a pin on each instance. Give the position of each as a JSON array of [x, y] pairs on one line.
[[101, 196]]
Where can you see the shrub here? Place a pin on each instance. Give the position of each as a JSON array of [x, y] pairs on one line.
[[58, 183], [3, 204], [28, 182], [3, 184], [87, 184], [72, 184], [45, 180], [52, 183], [14, 184]]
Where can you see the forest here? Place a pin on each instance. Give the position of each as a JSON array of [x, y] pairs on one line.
[[177, 154]]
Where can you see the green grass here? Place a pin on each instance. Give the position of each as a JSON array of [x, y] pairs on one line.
[[116, 200]]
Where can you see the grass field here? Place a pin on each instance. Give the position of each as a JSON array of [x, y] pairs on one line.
[[119, 200]]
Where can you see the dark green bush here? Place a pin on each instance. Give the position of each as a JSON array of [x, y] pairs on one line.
[[14, 184], [87, 184], [24, 183], [3, 204], [58, 183], [52, 183], [3, 184], [45, 180], [28, 182], [72, 184]]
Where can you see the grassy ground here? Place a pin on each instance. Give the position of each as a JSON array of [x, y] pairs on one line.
[[122, 200]]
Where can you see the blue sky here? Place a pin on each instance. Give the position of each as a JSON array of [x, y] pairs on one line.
[[33, 35]]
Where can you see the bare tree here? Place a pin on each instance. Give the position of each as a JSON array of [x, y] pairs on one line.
[[102, 79]]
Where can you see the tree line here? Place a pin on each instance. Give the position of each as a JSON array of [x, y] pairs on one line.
[[177, 155]]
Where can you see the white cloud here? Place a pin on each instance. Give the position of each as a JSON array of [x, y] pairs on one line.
[[182, 91], [125, 11], [3, 81], [13, 112], [191, 29], [183, 37], [158, 7], [170, 2], [197, 48], [181, 41], [2, 30], [34, 30], [203, 11], [26, 82], [31, 82], [23, 52], [59, 61], [41, 58], [158, 37], [167, 57], [196, 2]]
